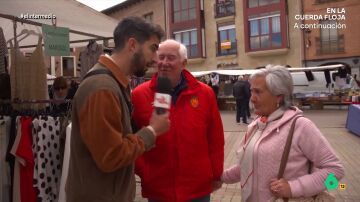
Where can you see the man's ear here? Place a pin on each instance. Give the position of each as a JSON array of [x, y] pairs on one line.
[[184, 63], [132, 44]]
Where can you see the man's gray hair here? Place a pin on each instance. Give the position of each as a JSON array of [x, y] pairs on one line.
[[182, 48], [183, 52], [278, 81]]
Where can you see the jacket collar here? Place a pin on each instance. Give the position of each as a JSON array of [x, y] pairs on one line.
[[288, 115], [191, 81], [110, 64]]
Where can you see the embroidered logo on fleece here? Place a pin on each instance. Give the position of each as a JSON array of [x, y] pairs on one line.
[[194, 101]]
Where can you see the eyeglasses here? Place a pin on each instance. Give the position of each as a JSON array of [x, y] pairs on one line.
[[59, 88]]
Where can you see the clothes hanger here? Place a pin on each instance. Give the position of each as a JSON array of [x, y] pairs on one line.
[[24, 31], [30, 32]]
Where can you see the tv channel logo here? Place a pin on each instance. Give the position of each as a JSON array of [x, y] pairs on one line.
[[331, 183]]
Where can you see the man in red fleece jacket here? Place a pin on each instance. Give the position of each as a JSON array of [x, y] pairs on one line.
[[188, 159]]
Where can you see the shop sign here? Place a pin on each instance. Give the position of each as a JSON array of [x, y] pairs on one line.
[[225, 45], [56, 40]]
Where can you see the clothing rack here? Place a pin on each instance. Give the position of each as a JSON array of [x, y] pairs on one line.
[[7, 109], [57, 101], [67, 77]]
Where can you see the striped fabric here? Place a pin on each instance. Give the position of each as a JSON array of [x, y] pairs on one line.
[[3, 52], [5, 179]]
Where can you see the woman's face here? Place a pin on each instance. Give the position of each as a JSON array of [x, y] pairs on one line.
[[61, 92], [264, 102]]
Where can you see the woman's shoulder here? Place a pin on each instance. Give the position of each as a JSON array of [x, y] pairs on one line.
[[295, 113]]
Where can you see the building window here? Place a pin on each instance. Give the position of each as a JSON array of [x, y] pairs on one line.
[[266, 26], [184, 10], [224, 8], [328, 34], [257, 3], [265, 32], [330, 41], [226, 44], [149, 17], [189, 39]]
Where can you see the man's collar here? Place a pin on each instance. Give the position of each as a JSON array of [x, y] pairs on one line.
[[109, 63]]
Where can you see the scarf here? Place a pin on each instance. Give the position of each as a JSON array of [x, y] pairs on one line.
[[246, 152]]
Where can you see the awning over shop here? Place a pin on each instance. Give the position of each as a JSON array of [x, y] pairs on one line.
[[86, 22], [252, 71]]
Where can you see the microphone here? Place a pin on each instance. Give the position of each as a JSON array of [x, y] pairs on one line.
[[162, 101]]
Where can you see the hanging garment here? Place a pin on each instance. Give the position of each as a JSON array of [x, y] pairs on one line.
[[327, 77], [47, 157], [340, 82], [4, 166], [17, 161], [3, 52], [65, 168], [342, 72], [5, 89], [28, 77], [89, 57], [24, 151], [309, 75], [10, 158]]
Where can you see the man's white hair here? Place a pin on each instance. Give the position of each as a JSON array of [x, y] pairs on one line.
[[182, 48]]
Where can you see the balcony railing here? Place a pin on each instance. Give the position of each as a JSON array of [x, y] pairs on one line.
[[330, 46], [223, 9], [221, 51]]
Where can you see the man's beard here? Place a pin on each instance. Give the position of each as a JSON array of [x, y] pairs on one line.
[[138, 64]]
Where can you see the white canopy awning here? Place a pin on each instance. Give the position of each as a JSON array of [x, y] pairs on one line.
[[69, 13], [252, 71]]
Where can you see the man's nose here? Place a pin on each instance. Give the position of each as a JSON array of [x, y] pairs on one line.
[[252, 98]]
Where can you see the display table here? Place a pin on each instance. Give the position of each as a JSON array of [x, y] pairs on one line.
[[319, 102], [353, 119]]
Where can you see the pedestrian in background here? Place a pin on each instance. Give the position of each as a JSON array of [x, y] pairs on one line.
[[241, 95], [247, 85]]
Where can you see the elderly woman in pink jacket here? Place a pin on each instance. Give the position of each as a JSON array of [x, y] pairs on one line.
[[262, 146]]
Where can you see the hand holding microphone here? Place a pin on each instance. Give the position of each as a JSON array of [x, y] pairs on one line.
[[159, 120]]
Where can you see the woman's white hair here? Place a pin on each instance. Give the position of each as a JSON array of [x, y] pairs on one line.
[[278, 81], [182, 48]]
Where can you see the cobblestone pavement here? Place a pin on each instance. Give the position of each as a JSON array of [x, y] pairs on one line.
[[330, 121]]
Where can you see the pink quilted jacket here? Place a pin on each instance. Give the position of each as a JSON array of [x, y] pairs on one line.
[[308, 144]]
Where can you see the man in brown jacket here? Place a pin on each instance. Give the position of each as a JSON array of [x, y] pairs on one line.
[[103, 146]]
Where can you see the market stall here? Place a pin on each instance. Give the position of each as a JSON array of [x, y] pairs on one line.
[[22, 63], [353, 119]]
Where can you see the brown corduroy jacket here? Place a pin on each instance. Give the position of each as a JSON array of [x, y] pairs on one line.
[[103, 147]]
